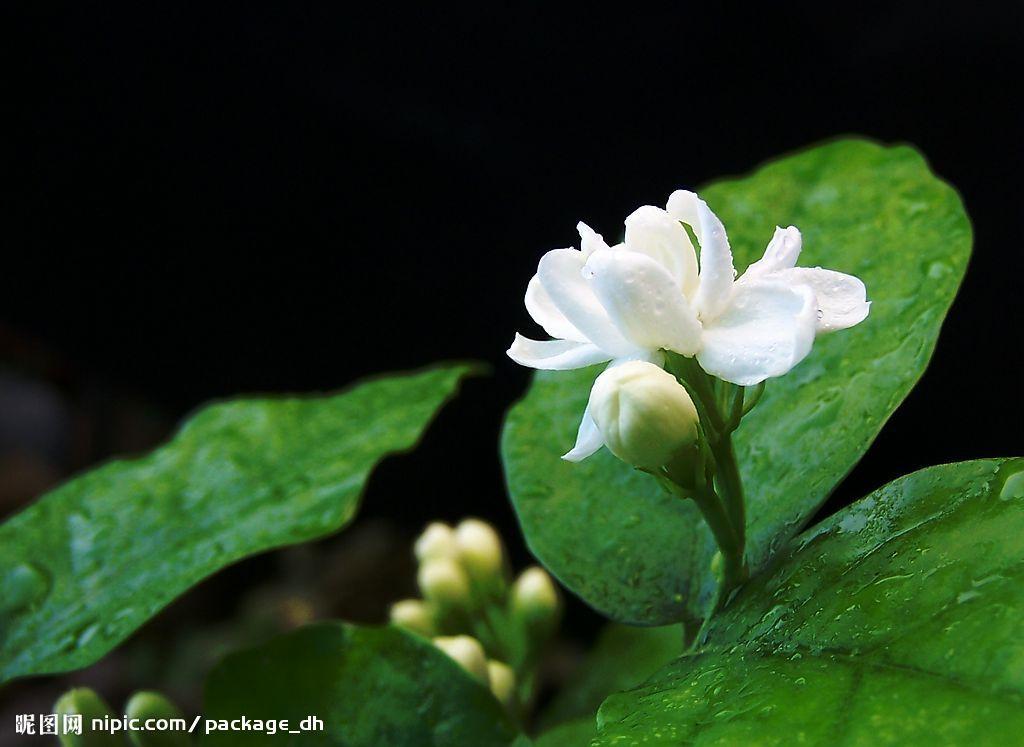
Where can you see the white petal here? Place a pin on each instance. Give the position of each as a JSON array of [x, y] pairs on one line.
[[588, 439], [555, 355], [767, 329], [543, 311], [643, 301], [657, 234], [560, 275], [716, 269], [842, 299], [781, 253], [590, 240]]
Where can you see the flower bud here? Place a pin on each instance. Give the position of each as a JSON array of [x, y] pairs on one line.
[[414, 615], [85, 703], [146, 705], [503, 683], [468, 653], [437, 541], [535, 600], [645, 416], [444, 582], [480, 550]]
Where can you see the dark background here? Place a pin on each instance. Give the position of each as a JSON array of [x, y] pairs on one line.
[[207, 201]]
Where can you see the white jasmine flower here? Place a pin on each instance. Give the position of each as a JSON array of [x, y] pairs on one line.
[[630, 301]]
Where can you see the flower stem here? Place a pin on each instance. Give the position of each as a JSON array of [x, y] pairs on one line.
[[729, 485], [722, 502]]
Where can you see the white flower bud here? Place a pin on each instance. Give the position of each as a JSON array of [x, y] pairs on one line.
[[85, 703], [480, 550], [414, 615], [535, 599], [437, 541], [444, 582], [503, 683], [468, 653], [153, 705], [643, 413]]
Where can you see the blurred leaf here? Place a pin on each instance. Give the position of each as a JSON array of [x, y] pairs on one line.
[[622, 658], [609, 533], [898, 621], [91, 561], [370, 686], [579, 732]]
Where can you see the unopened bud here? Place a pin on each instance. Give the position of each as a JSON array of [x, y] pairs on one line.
[[480, 550], [645, 416], [414, 615], [468, 653], [437, 541], [152, 705], [535, 600], [503, 683], [444, 582], [88, 705]]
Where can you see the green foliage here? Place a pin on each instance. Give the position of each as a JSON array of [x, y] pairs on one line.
[[622, 657], [370, 686], [609, 533], [579, 732], [898, 621], [91, 561]]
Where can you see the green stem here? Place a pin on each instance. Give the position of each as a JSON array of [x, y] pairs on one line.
[[729, 485], [730, 543], [723, 505]]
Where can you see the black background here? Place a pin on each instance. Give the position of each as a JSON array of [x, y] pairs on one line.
[[202, 201]]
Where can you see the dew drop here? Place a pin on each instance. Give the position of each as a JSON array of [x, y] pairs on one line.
[[25, 586], [1013, 487]]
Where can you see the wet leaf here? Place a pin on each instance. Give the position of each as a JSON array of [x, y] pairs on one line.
[[898, 621], [608, 532], [89, 562], [621, 658], [370, 687]]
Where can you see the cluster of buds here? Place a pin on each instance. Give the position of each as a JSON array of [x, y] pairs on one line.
[[142, 706], [471, 609]]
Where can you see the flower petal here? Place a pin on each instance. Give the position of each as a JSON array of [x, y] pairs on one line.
[[654, 232], [643, 301], [842, 299], [555, 355], [560, 273], [781, 253], [590, 240], [543, 311], [767, 329], [716, 268], [588, 439]]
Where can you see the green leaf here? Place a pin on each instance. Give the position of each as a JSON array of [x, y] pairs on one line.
[[622, 657], [898, 621], [91, 561], [370, 686], [609, 533], [579, 732]]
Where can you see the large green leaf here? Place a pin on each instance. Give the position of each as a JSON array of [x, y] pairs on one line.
[[91, 561], [609, 533], [370, 686], [899, 621], [622, 657]]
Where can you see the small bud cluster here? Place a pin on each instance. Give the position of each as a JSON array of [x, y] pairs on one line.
[[492, 626], [143, 705]]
